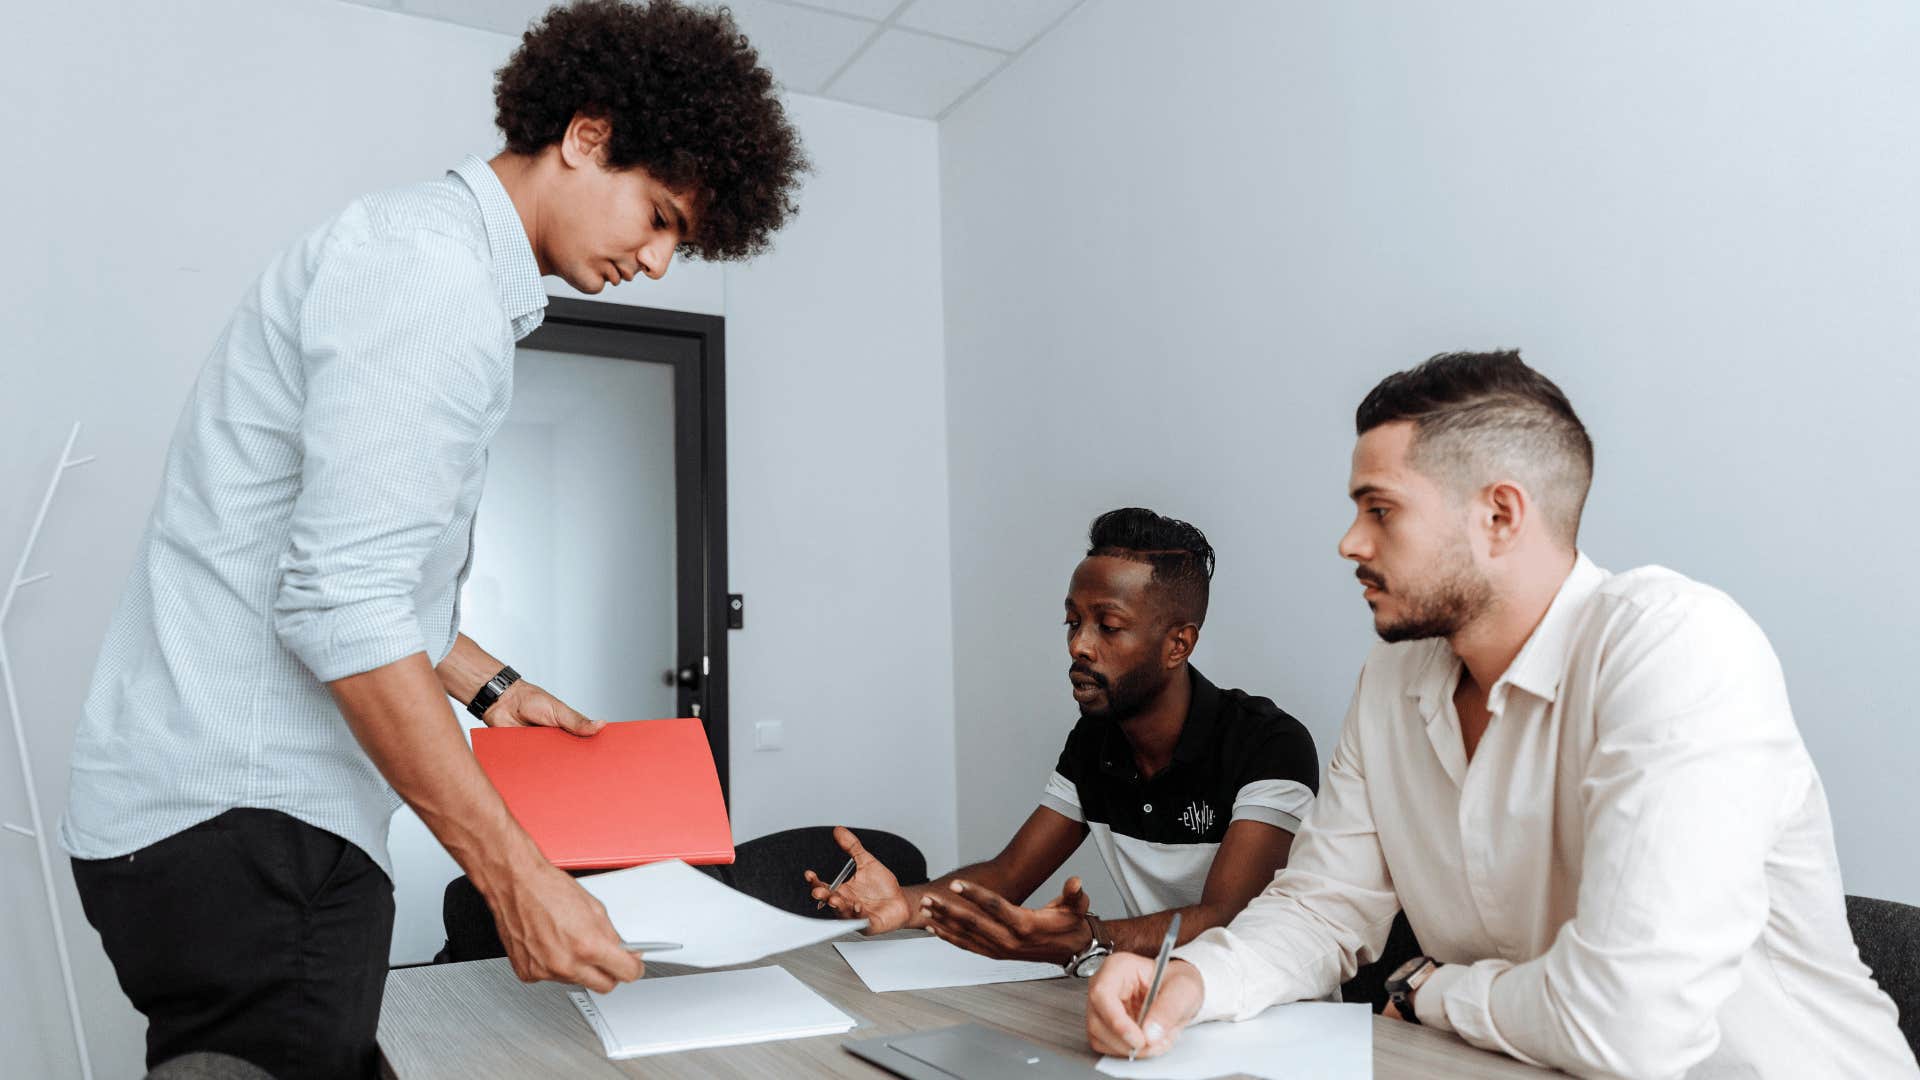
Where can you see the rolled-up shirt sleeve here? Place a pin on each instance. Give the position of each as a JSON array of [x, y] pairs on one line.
[[1323, 916], [1695, 765], [403, 352]]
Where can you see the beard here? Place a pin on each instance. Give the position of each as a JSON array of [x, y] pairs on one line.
[[1457, 596], [1124, 695]]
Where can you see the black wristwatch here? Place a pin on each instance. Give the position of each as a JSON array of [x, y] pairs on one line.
[[1405, 980], [1083, 964], [491, 692]]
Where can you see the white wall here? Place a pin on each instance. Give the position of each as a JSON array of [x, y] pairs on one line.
[[837, 495], [1181, 242], [161, 154]]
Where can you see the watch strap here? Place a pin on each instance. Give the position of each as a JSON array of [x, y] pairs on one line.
[[1099, 943], [1402, 984], [490, 693], [1098, 931]]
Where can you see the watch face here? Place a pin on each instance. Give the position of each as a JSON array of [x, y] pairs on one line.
[[1405, 971], [1088, 965]]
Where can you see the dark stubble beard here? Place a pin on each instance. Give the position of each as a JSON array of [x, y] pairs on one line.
[[1458, 597], [1126, 695]]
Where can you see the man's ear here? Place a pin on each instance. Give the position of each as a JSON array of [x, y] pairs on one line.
[[1504, 512], [585, 141], [1179, 644]]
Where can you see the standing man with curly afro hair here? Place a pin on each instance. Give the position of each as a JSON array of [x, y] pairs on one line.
[[275, 680]]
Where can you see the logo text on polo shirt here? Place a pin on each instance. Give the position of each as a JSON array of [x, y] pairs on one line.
[[1198, 817]]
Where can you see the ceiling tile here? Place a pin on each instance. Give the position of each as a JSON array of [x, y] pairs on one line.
[[913, 74], [802, 47], [504, 16], [866, 9], [1002, 24]]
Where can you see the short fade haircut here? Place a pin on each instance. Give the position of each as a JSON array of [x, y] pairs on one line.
[[688, 102], [1181, 558], [1484, 416]]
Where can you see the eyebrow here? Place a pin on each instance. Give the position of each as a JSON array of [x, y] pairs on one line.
[[1365, 490]]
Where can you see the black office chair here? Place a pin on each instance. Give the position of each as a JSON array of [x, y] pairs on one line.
[[1888, 936], [767, 869], [1369, 984]]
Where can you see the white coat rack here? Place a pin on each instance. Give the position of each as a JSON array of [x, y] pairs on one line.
[[36, 828]]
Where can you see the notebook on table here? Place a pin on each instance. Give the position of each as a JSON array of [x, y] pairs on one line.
[[664, 1015], [638, 792]]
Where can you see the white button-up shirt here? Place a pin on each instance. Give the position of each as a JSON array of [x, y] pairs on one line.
[[314, 520], [1634, 874]]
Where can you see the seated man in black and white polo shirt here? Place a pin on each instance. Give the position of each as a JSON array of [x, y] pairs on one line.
[[1192, 793]]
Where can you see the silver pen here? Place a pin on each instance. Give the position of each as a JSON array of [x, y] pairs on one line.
[[650, 946], [1159, 972], [839, 879]]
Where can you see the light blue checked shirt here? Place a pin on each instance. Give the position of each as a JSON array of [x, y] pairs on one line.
[[314, 521]]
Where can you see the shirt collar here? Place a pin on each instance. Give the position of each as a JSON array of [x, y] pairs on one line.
[[1196, 731], [1540, 662], [515, 270], [1543, 658]]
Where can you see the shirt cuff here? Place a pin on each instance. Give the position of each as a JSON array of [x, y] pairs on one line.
[[1429, 1002], [1466, 1000], [1279, 819], [1218, 979], [1062, 796], [352, 638]]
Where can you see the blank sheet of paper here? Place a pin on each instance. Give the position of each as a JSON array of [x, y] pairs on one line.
[[1304, 1040], [716, 926], [928, 963], [715, 1008]]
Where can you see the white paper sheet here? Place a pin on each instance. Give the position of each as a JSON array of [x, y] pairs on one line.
[[717, 926], [717, 1008], [928, 963], [1304, 1040]]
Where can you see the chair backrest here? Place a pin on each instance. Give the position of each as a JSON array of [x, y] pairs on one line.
[[1888, 936], [769, 868]]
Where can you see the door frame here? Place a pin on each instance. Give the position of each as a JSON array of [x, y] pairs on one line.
[[699, 483]]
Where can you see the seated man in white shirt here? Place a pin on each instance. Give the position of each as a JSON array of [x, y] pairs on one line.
[[1191, 793], [1586, 789]]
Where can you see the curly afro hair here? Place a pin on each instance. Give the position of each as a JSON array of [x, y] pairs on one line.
[[687, 100]]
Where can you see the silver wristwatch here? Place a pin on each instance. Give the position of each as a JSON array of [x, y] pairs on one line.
[[1084, 963]]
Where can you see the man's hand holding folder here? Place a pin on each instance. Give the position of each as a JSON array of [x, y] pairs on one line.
[[551, 927]]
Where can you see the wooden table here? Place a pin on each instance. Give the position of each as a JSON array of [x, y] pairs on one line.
[[477, 1022]]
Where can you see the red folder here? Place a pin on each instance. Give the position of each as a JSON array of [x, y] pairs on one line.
[[638, 792]]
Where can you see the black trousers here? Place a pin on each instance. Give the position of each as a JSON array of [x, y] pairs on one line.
[[253, 934]]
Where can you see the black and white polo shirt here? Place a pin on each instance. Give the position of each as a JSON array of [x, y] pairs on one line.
[[1239, 756]]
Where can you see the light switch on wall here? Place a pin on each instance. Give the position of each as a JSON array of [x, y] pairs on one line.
[[769, 735]]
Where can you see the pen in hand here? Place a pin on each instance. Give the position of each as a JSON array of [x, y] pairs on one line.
[[839, 879], [1159, 972]]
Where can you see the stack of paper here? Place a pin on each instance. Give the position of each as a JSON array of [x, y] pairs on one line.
[[1306, 1040], [716, 1008], [714, 925], [927, 963]]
